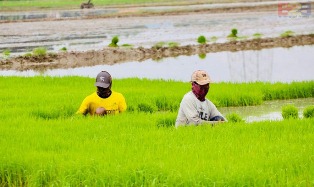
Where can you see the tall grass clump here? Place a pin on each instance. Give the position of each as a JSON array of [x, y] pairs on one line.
[[289, 111], [233, 34], [308, 112]]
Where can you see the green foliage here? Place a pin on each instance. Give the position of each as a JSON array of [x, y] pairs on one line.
[[40, 51], [201, 39], [257, 35], [114, 42], [213, 39], [234, 118], [288, 33], [159, 45], [308, 112], [64, 49], [6, 53], [233, 34], [143, 107], [127, 45], [289, 111], [43, 142], [166, 122], [173, 44], [293, 90]]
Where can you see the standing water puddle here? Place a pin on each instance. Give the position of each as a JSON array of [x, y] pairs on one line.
[[268, 65]]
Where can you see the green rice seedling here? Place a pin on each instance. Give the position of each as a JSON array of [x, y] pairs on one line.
[[64, 49], [114, 42], [202, 55], [173, 44], [6, 53], [233, 34], [127, 45], [166, 122], [289, 111], [234, 118], [257, 35], [143, 107], [308, 112], [44, 143], [288, 33], [213, 39], [39, 51], [159, 45], [201, 39]]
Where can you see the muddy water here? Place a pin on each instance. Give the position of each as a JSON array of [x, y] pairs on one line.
[[268, 65], [94, 34]]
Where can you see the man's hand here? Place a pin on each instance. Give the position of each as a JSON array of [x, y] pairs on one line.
[[101, 111]]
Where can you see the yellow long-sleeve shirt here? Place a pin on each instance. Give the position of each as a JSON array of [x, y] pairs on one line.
[[114, 104]]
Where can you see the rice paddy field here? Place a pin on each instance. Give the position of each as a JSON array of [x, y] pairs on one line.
[[44, 143]]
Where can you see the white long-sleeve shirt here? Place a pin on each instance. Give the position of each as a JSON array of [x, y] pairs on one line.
[[193, 111]]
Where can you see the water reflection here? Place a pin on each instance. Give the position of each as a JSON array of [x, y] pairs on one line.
[[268, 65]]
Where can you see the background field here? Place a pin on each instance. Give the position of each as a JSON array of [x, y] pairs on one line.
[[46, 4], [43, 143]]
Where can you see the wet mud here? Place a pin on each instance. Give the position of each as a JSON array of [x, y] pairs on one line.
[[110, 56]]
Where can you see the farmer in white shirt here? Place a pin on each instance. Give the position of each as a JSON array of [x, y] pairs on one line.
[[195, 108]]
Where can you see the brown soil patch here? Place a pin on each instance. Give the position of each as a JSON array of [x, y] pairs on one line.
[[112, 56]]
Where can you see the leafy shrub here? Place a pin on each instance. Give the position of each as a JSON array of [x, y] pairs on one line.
[[289, 111], [40, 51], [234, 118], [114, 42], [201, 40], [308, 112]]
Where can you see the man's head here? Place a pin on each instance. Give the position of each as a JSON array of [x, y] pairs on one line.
[[103, 80], [200, 84], [103, 84]]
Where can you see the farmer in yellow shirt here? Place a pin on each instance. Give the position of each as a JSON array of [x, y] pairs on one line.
[[104, 101]]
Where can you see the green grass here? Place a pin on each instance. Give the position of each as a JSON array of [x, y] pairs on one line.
[[43, 143], [7, 5]]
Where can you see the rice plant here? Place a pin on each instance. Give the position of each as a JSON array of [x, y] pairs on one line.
[[114, 42], [289, 111], [39, 51], [201, 39], [288, 33], [308, 112]]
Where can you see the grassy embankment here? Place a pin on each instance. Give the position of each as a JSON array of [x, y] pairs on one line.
[[7, 5], [43, 144]]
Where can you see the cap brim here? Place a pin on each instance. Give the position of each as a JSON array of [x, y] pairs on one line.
[[203, 82], [103, 85]]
